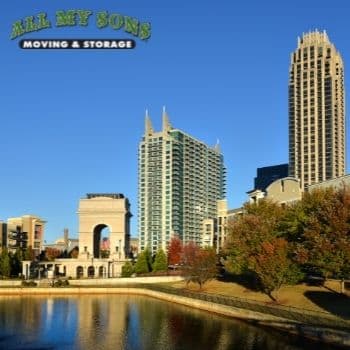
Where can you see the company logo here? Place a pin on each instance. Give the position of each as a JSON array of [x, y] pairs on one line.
[[82, 18]]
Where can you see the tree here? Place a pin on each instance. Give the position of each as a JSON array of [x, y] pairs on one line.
[[127, 269], [141, 265], [199, 264], [160, 261], [149, 259], [325, 247], [5, 265], [174, 251], [247, 233], [189, 253], [52, 253], [318, 229], [29, 254], [74, 253], [16, 262], [272, 265], [256, 246]]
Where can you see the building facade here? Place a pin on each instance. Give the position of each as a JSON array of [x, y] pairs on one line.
[[24, 232], [180, 180], [3, 234], [316, 111], [282, 191], [268, 174], [96, 212], [338, 183], [99, 211]]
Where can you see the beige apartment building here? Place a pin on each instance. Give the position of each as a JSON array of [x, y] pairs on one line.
[[316, 111], [214, 231], [32, 229]]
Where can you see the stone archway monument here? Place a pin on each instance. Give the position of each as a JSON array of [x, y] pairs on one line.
[[98, 211]]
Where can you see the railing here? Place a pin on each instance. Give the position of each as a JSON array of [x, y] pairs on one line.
[[309, 317]]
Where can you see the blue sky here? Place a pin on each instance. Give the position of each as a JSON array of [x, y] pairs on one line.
[[71, 120]]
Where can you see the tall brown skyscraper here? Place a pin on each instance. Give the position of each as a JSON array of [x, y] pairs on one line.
[[316, 110]]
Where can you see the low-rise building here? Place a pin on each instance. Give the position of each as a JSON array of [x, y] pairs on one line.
[[282, 191], [24, 232]]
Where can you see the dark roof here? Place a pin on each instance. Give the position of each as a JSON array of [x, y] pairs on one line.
[[110, 195]]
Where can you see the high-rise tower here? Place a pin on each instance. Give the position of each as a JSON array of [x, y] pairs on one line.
[[180, 181], [316, 111]]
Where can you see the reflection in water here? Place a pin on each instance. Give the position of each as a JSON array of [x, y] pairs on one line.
[[126, 323]]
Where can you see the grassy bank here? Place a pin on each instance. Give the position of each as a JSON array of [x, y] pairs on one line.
[[314, 298]]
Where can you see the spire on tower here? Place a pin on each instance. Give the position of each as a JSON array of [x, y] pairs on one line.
[[148, 124], [217, 146], [166, 122]]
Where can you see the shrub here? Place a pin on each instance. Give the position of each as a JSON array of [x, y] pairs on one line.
[[127, 269], [29, 284], [61, 283]]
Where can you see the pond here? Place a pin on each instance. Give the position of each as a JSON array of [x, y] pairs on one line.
[[127, 322]]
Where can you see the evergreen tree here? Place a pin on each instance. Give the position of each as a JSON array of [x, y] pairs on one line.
[[29, 254], [141, 265], [149, 258], [5, 266], [160, 261], [16, 262]]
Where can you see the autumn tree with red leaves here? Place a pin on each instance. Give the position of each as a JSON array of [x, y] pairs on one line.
[[199, 264], [174, 251], [189, 253], [275, 243], [272, 265], [256, 246], [325, 244], [52, 253]]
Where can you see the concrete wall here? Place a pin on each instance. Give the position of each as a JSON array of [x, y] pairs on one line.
[[120, 281], [284, 190], [10, 283]]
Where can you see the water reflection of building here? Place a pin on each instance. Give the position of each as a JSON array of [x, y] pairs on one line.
[[101, 321]]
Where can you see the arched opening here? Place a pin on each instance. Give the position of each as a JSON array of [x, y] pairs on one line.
[[80, 272], [91, 271], [101, 241], [101, 271]]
